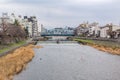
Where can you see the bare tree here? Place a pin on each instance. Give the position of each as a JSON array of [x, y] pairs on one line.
[[3, 30], [11, 32]]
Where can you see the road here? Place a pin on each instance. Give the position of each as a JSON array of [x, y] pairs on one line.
[[71, 61]]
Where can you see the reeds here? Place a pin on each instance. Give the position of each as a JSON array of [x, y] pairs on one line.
[[15, 62], [106, 46]]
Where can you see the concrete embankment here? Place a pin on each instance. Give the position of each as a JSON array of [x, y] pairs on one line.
[[15, 61]]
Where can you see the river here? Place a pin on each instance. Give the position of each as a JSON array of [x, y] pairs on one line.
[[71, 61]]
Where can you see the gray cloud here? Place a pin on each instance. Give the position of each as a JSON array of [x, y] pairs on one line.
[[65, 12]]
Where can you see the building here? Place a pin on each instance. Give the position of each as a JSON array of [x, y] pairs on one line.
[[5, 18], [43, 30], [85, 29], [104, 32], [94, 30], [27, 25], [34, 26], [30, 23], [82, 29], [118, 33], [115, 27], [111, 31]]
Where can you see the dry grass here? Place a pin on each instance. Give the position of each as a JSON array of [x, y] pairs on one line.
[[106, 46], [15, 62], [106, 49]]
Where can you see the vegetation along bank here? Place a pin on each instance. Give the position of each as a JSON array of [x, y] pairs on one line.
[[106, 46], [15, 62]]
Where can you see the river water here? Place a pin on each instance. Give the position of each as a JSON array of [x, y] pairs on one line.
[[71, 61]]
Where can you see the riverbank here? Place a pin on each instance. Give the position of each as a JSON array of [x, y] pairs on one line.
[[106, 46], [5, 48], [15, 62]]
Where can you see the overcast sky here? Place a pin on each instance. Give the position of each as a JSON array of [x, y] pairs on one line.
[[60, 13]]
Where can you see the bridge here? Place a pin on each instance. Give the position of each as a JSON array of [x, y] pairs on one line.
[[57, 34], [55, 42]]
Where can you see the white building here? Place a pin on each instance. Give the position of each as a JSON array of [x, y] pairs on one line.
[[103, 32], [29, 23], [82, 29], [4, 18], [12, 18], [115, 27], [93, 29]]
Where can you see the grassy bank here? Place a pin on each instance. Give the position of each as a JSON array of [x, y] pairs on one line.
[[4, 48], [106, 46], [15, 62], [84, 41]]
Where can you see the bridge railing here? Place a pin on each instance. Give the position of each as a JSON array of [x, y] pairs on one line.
[[57, 34]]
